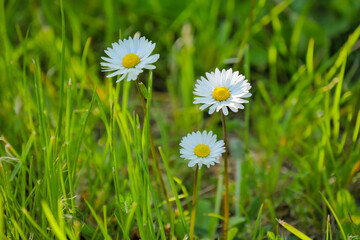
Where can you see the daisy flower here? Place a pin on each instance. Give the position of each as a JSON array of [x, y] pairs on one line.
[[222, 90], [201, 148], [128, 58]]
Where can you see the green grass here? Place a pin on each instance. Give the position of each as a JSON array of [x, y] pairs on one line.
[[75, 151]]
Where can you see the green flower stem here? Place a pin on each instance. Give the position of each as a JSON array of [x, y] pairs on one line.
[[193, 211], [226, 179], [153, 153]]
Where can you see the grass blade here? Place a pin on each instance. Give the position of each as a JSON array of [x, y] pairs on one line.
[[257, 222], [100, 224], [336, 218], [52, 221], [62, 72], [174, 189], [293, 230]]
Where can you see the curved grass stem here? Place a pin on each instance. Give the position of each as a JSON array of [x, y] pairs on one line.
[[153, 153], [226, 180], [193, 210]]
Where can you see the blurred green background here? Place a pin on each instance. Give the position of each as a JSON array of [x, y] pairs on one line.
[[298, 136]]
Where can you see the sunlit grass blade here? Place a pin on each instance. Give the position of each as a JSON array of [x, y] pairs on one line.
[[52, 221], [336, 218], [33, 222], [310, 58], [357, 127], [18, 228], [336, 104], [293, 230]]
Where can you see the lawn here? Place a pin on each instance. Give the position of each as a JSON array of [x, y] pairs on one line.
[[83, 156]]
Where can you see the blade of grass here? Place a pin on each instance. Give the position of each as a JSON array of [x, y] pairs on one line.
[[161, 226], [257, 224], [129, 220], [98, 221], [336, 218], [295, 37], [356, 128], [293, 230], [39, 101], [328, 229], [174, 189], [337, 95], [81, 134], [62, 74], [310, 57], [68, 115], [2, 227], [54, 225], [18, 228]]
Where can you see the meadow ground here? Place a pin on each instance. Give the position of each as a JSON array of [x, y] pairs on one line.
[[75, 146]]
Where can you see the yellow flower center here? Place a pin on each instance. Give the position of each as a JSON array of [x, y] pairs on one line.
[[202, 150], [130, 60], [221, 93]]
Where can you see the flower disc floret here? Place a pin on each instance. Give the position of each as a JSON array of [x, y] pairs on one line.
[[130, 60], [221, 93], [201, 148]]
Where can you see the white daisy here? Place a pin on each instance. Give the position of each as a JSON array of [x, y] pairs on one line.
[[222, 90], [201, 148], [129, 57]]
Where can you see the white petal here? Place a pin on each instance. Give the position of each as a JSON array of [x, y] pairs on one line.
[[121, 78], [212, 109], [225, 111], [192, 163]]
